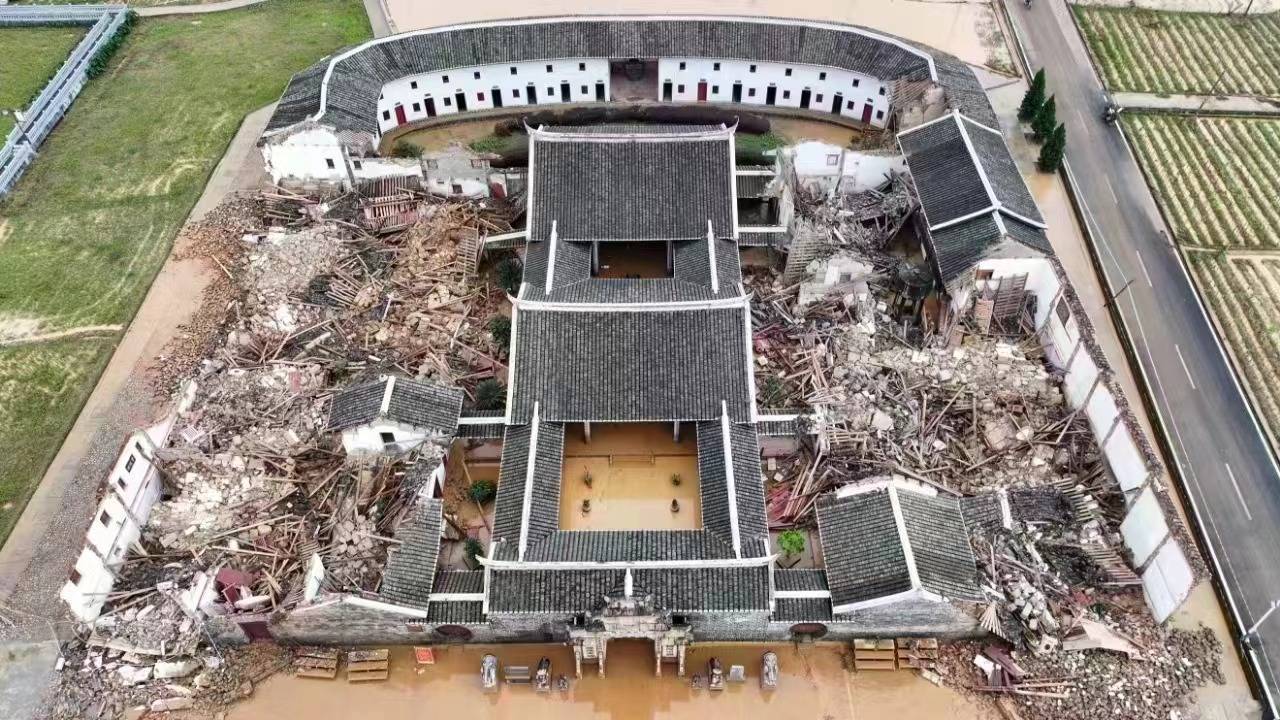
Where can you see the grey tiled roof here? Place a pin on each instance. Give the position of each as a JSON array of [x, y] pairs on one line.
[[357, 80], [459, 581], [629, 545], [753, 186], [544, 508], [748, 485], [411, 566], [949, 177], [453, 612], [797, 610], [940, 545], [650, 188], [690, 280], [412, 402], [630, 366], [1029, 235], [865, 556], [1001, 170], [861, 546], [982, 512], [800, 579], [957, 248], [674, 589], [945, 173], [629, 129], [490, 431]]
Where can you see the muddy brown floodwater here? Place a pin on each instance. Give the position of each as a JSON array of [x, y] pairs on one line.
[[813, 686]]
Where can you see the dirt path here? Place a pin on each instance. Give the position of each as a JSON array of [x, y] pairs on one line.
[[85, 331], [1242, 104], [159, 10]]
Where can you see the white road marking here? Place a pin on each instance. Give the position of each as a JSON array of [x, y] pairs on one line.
[[1143, 265], [1185, 369], [1107, 179], [1239, 495]]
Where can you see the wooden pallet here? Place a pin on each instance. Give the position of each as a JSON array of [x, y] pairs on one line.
[[319, 663], [870, 654], [368, 665], [917, 653]]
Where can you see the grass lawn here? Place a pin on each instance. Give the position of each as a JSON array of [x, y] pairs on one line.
[[92, 221], [1176, 52], [29, 57], [6, 124]]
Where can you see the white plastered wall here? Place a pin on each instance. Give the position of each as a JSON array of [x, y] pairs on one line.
[[311, 154], [856, 91], [411, 92]]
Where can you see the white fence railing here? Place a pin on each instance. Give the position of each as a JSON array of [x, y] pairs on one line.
[[39, 119]]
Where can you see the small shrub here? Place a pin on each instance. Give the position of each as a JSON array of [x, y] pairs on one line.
[[510, 273], [490, 395], [405, 149], [500, 331], [490, 144], [791, 542], [774, 392], [482, 491], [472, 549], [98, 63]]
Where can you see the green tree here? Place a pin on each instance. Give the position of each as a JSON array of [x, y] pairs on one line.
[[510, 272], [472, 549], [490, 395], [500, 331], [1046, 119], [1054, 148], [1034, 99], [791, 542], [482, 491]]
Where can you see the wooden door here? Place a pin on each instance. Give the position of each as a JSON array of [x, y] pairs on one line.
[[866, 113], [400, 116], [702, 91]]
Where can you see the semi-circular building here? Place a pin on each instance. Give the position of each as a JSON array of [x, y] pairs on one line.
[[339, 108]]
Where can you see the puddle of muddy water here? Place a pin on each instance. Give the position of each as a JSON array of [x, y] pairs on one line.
[[813, 684]]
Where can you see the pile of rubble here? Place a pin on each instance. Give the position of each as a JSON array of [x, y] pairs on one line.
[[111, 683], [1142, 672], [319, 294], [985, 414]]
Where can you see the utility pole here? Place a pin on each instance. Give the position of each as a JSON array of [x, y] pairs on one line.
[[1111, 301], [1213, 90], [1249, 635]]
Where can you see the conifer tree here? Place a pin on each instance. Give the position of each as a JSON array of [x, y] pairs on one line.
[[1046, 119], [1054, 149], [1034, 98]]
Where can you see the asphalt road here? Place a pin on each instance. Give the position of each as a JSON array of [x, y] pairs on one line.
[[1228, 470]]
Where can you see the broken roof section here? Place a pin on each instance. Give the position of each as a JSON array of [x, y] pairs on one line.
[[889, 542], [411, 566], [397, 399], [640, 362], [631, 184], [975, 202]]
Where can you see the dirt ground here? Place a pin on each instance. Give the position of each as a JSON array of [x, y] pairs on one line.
[[813, 685], [965, 29]]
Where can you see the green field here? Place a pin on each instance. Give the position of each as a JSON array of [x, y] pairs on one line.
[[28, 58], [87, 228], [1175, 52], [1215, 180]]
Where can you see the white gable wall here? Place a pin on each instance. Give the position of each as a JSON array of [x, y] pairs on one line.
[[367, 439], [313, 155]]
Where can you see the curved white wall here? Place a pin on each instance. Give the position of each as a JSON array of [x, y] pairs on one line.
[[419, 97]]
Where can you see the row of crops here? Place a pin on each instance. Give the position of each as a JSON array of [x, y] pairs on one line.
[[1218, 178], [1244, 295], [1194, 53]]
